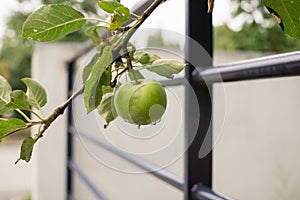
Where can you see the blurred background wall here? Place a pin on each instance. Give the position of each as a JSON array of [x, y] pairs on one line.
[[255, 155]]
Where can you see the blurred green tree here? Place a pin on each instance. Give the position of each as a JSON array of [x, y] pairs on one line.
[[259, 32], [158, 40], [254, 37], [15, 52]]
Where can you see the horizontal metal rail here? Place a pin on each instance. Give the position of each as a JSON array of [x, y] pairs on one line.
[[74, 168], [173, 82], [202, 192], [162, 174], [281, 65]]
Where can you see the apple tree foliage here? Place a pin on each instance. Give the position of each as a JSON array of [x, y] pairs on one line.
[[115, 56]]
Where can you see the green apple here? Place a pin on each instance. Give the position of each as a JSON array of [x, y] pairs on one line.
[[141, 103]]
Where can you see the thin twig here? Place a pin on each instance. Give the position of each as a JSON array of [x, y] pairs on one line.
[[114, 82], [140, 21], [130, 66]]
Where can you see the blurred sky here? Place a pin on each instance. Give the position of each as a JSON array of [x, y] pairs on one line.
[[221, 12], [8, 6], [5, 9]]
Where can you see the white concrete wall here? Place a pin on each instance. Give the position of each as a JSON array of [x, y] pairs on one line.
[[49, 156], [257, 153]]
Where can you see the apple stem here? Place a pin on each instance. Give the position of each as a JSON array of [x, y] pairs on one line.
[[129, 65]]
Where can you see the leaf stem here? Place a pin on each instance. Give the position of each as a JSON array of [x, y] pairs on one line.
[[37, 115], [124, 39], [23, 115], [97, 19], [113, 83], [130, 67]]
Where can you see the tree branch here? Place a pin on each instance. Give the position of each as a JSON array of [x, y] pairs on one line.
[[140, 21], [56, 113]]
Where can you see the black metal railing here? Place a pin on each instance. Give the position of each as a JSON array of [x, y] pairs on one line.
[[197, 180], [266, 67]]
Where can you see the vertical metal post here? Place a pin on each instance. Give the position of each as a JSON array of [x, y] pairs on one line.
[[69, 133], [199, 28]]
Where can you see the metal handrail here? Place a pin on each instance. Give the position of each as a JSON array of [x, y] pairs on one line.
[[287, 64], [202, 192], [266, 67]]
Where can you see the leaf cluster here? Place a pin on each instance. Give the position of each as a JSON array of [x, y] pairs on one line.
[[19, 101], [115, 57]]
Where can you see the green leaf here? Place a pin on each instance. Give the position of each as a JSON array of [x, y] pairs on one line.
[[106, 108], [135, 75], [107, 89], [52, 22], [92, 32], [9, 125], [5, 90], [141, 56], [92, 29], [100, 74], [37, 96], [88, 68], [144, 57], [109, 5], [26, 149], [106, 77], [19, 100], [103, 83], [286, 13], [153, 57], [4, 109], [166, 67], [121, 15]]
